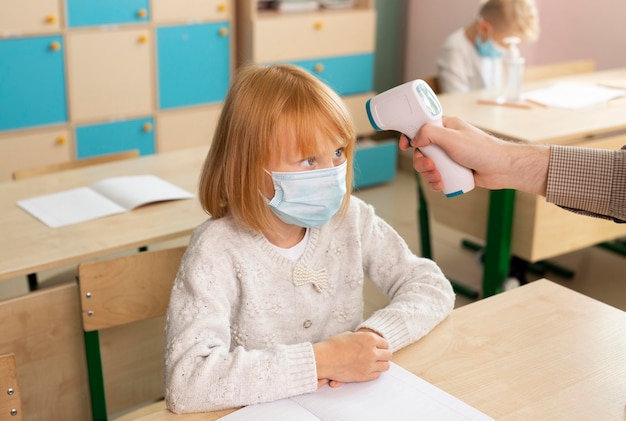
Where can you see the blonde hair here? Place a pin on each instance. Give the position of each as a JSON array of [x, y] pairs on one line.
[[520, 16], [261, 101]]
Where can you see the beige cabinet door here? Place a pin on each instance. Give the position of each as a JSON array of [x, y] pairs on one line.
[[29, 16], [33, 149], [186, 128], [283, 37], [171, 11], [110, 74]]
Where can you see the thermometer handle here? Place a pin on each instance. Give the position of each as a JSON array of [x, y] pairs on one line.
[[456, 178]]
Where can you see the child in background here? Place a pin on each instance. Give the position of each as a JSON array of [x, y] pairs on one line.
[[470, 58], [268, 300]]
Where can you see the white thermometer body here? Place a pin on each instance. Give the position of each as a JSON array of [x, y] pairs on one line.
[[406, 108]]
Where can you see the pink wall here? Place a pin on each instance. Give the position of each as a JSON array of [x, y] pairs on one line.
[[570, 30]]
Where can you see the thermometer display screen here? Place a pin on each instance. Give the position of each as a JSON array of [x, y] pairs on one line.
[[429, 100]]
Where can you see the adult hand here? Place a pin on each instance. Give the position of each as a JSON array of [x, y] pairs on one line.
[[351, 357], [496, 163]]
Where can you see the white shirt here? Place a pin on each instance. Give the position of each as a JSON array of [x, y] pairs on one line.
[[460, 68]]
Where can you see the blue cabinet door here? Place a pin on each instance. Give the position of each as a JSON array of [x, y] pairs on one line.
[[106, 12], [119, 136], [347, 75], [193, 64], [32, 82]]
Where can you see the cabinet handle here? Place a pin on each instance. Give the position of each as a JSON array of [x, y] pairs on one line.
[[143, 38], [221, 7], [318, 68], [55, 46], [142, 13], [51, 19], [61, 140], [147, 127], [318, 25], [223, 32]]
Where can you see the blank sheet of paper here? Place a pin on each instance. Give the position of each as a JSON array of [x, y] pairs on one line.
[[397, 395], [574, 95]]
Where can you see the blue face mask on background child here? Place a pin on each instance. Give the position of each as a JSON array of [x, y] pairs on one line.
[[308, 198], [488, 48]]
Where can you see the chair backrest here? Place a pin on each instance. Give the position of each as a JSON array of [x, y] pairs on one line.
[[79, 163], [10, 398], [566, 68], [117, 292]]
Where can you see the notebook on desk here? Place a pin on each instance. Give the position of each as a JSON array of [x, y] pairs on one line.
[[397, 395], [106, 197]]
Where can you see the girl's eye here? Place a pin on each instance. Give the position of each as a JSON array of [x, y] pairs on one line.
[[309, 162], [339, 153]]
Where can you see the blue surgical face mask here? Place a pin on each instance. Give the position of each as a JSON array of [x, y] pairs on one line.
[[308, 198], [488, 48]]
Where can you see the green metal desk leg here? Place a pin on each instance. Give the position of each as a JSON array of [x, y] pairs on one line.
[[498, 244], [425, 244], [422, 216]]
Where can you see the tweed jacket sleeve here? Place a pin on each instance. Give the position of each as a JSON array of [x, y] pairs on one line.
[[588, 181]]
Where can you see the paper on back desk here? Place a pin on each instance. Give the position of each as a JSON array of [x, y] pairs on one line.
[[398, 394], [574, 95]]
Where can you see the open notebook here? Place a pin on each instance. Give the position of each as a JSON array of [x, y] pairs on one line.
[[106, 197], [397, 395]]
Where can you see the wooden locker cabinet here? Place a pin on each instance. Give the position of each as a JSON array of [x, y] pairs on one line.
[[26, 17], [110, 74], [53, 146], [316, 41], [90, 68]]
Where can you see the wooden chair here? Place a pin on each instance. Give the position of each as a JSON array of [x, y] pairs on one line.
[[79, 163], [10, 398], [550, 70], [33, 282], [118, 292]]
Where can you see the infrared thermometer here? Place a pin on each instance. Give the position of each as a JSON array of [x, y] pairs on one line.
[[406, 108]]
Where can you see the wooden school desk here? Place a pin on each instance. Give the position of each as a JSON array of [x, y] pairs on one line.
[[540, 352], [27, 245], [518, 223]]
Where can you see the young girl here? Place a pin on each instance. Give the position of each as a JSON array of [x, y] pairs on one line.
[[268, 300]]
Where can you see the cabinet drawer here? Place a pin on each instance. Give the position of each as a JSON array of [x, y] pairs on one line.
[[281, 37], [21, 151], [110, 74], [193, 64], [346, 75], [171, 11], [186, 128], [29, 16], [35, 95], [106, 12], [119, 136]]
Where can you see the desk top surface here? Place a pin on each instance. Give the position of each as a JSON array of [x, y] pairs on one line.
[[543, 124], [27, 245], [540, 352]]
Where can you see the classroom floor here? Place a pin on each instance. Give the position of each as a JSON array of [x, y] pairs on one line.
[[599, 273]]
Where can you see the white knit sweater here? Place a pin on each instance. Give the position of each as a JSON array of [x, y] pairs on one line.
[[242, 317]]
